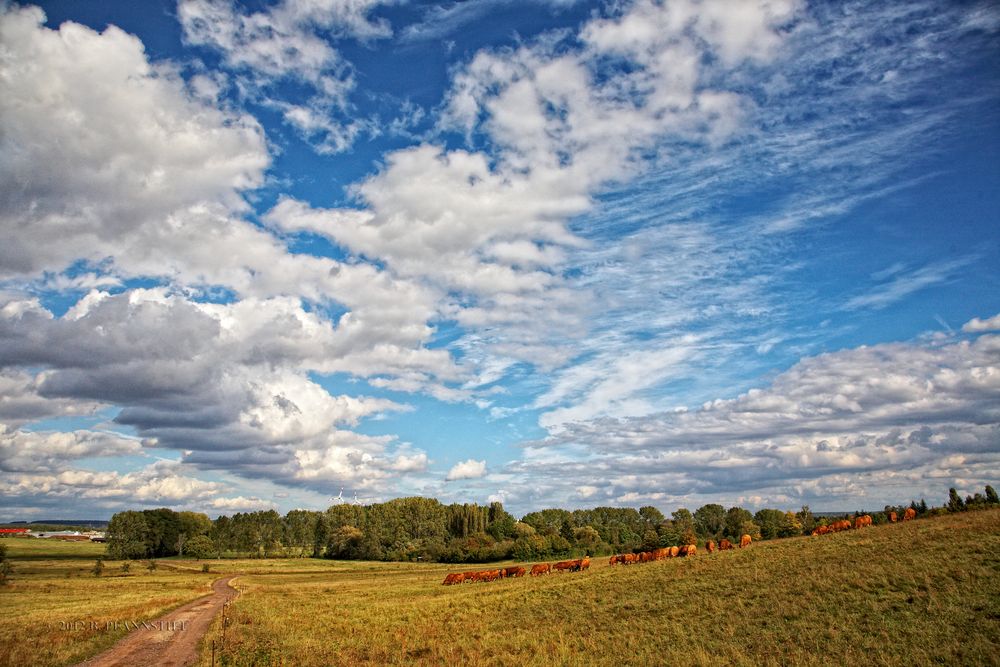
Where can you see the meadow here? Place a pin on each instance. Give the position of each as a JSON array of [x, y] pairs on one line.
[[55, 611], [924, 592]]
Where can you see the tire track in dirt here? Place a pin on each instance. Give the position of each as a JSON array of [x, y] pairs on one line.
[[172, 639]]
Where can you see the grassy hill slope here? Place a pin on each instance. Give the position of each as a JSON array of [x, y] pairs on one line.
[[917, 593]]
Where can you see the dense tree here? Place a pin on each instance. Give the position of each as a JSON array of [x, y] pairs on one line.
[[710, 521], [127, 536], [164, 527], [991, 495], [736, 518], [200, 546], [652, 516]]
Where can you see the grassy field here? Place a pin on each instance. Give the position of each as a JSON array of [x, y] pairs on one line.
[[56, 612], [925, 592]]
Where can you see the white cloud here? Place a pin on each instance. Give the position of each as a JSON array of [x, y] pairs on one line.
[[470, 469], [23, 451], [291, 40], [976, 325], [888, 417]]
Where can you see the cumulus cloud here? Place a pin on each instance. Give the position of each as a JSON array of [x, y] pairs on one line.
[[470, 469], [103, 161], [976, 325], [890, 417]]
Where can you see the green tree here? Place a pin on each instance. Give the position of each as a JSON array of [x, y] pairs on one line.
[[806, 519], [127, 536], [652, 516], [200, 546], [955, 503], [321, 535], [345, 542], [710, 521], [771, 522], [683, 521], [501, 523], [98, 567], [991, 496], [736, 517]]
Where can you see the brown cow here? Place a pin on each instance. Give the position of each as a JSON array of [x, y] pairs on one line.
[[910, 513], [675, 552], [893, 517], [454, 578], [613, 560], [725, 545], [710, 546], [540, 569], [660, 554], [629, 559], [513, 572], [564, 565], [645, 557], [745, 541], [584, 563]]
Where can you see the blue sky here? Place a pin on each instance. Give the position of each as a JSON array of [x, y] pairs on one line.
[[553, 253]]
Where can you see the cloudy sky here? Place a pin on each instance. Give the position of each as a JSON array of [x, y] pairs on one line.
[[550, 252]]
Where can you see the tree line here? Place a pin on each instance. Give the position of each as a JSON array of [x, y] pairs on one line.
[[415, 529]]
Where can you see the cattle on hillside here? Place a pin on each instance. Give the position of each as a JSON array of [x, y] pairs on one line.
[[540, 569], [909, 514], [710, 546], [745, 541], [893, 517], [725, 545]]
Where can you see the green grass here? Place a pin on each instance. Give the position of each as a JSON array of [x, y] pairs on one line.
[[925, 592]]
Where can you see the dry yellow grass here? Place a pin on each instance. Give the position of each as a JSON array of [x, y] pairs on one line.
[[56, 612], [918, 593], [926, 592]]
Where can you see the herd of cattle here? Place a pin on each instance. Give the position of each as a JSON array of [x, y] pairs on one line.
[[581, 564], [861, 522], [577, 565]]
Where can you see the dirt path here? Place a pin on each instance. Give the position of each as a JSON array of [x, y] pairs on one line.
[[171, 640]]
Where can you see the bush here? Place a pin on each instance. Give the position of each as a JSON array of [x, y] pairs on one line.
[[200, 546]]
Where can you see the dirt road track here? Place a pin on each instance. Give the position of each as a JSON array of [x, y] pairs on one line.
[[171, 640]]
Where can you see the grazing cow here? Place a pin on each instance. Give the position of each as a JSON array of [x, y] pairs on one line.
[[564, 565], [513, 572], [613, 560], [910, 513], [540, 569], [645, 557], [893, 517], [725, 545], [710, 546], [745, 541], [660, 554], [692, 549], [675, 552], [584, 563], [454, 578]]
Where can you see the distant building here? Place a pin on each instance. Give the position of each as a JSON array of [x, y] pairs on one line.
[[8, 532]]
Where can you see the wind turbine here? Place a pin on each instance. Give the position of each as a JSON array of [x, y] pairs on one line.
[[340, 497]]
